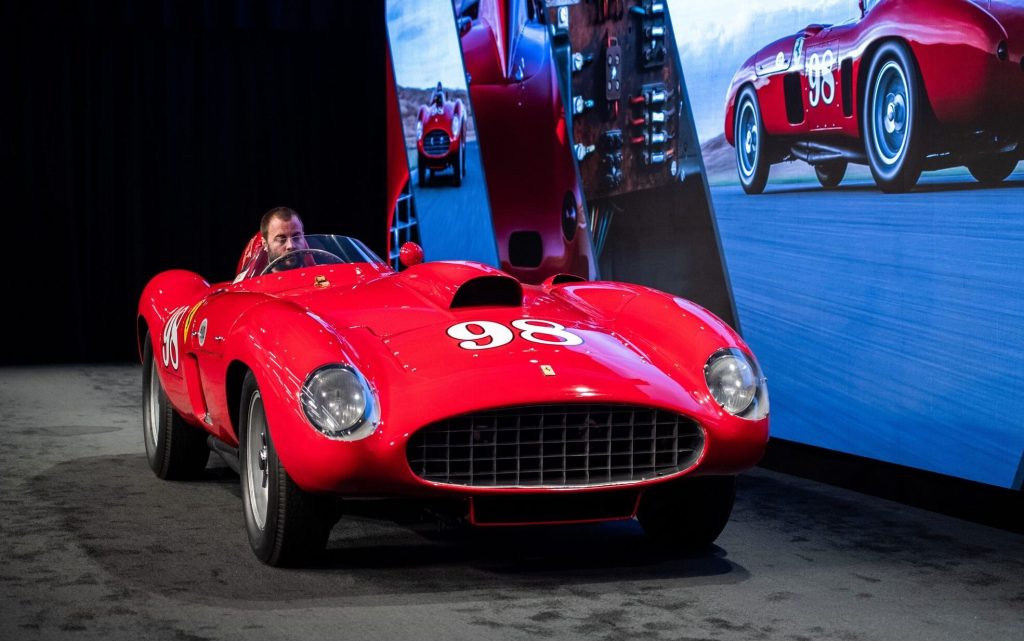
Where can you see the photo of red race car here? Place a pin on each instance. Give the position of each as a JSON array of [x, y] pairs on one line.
[[441, 137], [324, 373], [910, 86], [536, 202]]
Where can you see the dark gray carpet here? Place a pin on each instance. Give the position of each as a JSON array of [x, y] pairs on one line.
[[95, 546]]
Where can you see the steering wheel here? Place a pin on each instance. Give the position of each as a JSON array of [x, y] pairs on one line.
[[319, 256]]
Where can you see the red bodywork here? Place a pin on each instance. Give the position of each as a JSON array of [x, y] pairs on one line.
[[446, 123], [639, 347], [968, 87], [531, 174]]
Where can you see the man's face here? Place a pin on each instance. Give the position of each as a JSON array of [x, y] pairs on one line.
[[284, 236]]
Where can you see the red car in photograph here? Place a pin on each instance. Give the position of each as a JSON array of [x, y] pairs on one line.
[[441, 137], [912, 85], [536, 202], [324, 373]]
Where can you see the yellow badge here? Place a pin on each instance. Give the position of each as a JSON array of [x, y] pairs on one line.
[[548, 370]]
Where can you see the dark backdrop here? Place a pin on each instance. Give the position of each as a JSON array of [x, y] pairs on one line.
[[142, 136]]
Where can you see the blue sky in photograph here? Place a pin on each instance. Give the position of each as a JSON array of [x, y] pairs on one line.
[[715, 38], [424, 45]]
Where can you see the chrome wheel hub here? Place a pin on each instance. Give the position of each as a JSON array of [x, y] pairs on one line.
[[747, 143], [890, 113], [895, 113]]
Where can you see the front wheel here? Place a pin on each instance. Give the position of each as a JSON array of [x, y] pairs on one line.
[[830, 174], [175, 450], [286, 525], [457, 168], [421, 170], [994, 169], [751, 157], [688, 514], [893, 123]]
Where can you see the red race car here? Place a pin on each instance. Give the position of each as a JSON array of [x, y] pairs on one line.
[[327, 374], [440, 137], [912, 85], [536, 202]]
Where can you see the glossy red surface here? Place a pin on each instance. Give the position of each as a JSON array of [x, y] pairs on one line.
[[410, 254], [442, 118], [953, 42], [639, 346], [526, 152]]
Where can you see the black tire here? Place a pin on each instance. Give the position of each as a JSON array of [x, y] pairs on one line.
[[287, 526], [457, 168], [992, 169], [687, 515], [463, 157], [421, 171], [893, 119], [830, 174], [175, 450], [751, 155]]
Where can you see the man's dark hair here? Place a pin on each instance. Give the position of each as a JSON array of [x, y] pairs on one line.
[[284, 213]]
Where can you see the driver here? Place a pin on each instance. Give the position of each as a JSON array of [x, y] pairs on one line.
[[282, 233], [438, 98]]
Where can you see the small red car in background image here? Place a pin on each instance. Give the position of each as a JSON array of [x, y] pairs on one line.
[[440, 137], [912, 85]]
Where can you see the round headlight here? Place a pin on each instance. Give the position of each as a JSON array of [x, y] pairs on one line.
[[419, 130], [736, 383], [456, 125], [339, 403]]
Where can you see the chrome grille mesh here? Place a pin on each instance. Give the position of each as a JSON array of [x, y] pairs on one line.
[[436, 143], [560, 445]]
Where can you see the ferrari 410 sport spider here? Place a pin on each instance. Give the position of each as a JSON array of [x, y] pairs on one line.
[[912, 85], [441, 137], [325, 374]]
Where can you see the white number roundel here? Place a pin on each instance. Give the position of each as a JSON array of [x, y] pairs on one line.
[[530, 329], [497, 333], [471, 333]]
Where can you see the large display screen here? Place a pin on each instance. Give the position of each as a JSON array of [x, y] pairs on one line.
[[889, 325]]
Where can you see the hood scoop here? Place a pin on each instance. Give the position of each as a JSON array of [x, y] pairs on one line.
[[490, 291]]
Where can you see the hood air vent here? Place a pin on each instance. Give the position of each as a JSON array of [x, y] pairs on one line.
[[482, 291]]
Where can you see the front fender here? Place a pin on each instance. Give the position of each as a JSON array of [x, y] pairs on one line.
[[282, 343], [744, 75]]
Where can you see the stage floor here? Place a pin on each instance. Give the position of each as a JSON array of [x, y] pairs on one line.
[[95, 546]]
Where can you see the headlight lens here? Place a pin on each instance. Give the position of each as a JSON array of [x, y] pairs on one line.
[[419, 130], [338, 402], [456, 125], [736, 383]]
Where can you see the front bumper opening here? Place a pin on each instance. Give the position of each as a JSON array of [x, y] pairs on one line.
[[541, 509]]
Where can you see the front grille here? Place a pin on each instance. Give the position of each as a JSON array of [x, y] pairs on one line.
[[561, 445], [436, 143]]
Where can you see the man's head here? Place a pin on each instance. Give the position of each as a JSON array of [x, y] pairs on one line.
[[282, 232]]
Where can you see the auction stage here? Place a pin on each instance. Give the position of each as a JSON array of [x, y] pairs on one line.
[[94, 544]]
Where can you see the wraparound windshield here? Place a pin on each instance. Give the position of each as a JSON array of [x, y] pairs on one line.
[[311, 250]]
